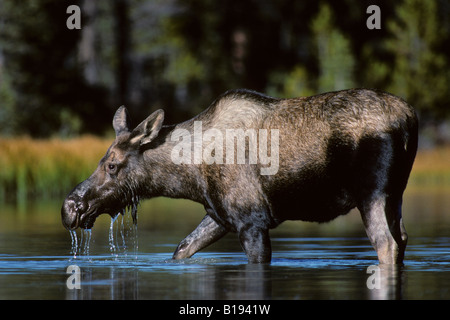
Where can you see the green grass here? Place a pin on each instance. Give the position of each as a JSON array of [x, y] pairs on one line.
[[46, 168]]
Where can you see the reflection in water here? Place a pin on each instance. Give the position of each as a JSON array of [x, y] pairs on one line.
[[310, 261], [115, 282], [119, 284], [243, 282], [390, 284], [233, 282], [323, 271], [318, 274]]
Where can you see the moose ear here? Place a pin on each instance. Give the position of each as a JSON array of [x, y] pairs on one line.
[[121, 121], [148, 129]]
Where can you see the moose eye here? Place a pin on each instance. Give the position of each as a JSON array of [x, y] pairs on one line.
[[112, 168]]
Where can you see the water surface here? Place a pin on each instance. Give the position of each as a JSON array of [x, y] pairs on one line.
[[310, 261]]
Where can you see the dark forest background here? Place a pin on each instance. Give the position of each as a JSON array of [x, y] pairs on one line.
[[180, 55]]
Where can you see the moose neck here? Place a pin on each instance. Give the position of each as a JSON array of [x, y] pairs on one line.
[[167, 178]]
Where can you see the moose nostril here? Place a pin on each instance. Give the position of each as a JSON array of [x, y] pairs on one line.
[[70, 213], [80, 207]]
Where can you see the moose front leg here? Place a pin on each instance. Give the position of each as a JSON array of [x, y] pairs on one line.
[[206, 233], [256, 243]]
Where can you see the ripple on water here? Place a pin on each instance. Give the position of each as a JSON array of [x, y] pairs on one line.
[[423, 254]]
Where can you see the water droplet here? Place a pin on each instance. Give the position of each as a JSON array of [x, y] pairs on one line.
[[122, 233], [84, 247], [112, 236], [128, 234], [74, 249]]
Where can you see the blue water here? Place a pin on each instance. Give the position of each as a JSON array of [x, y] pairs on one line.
[[302, 268], [310, 261]]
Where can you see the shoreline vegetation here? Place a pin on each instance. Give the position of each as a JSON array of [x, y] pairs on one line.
[[34, 168], [46, 168]]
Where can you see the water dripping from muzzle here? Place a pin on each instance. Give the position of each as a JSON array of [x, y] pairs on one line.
[[120, 230], [113, 236], [74, 238], [127, 231], [86, 241], [81, 246]]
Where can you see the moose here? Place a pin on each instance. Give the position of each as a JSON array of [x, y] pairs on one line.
[[335, 151]]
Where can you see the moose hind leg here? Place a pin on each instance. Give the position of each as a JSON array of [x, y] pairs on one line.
[[395, 222], [206, 233], [384, 227]]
